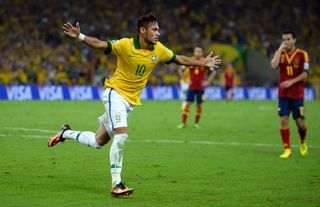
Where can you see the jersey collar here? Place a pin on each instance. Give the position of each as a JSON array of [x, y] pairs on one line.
[[290, 57], [137, 46]]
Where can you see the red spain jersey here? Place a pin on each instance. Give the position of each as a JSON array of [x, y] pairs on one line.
[[292, 66], [229, 76], [197, 75]]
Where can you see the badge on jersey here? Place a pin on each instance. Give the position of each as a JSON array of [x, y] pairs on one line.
[[117, 118], [153, 58], [306, 66], [114, 41]]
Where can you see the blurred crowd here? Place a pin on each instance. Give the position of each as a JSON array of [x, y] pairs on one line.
[[34, 49]]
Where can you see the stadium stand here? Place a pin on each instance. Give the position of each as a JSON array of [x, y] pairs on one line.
[[34, 49]]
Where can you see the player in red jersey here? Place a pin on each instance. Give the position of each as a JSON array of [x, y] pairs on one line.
[[196, 88], [229, 76], [294, 66]]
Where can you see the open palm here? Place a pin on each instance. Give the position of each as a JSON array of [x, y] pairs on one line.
[[213, 61], [70, 30]]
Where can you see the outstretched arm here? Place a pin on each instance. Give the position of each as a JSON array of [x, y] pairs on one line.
[[74, 32], [210, 61]]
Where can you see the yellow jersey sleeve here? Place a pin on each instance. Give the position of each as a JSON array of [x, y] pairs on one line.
[[167, 55], [116, 47]]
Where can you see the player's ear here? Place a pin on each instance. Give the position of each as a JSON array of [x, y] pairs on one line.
[[142, 30]]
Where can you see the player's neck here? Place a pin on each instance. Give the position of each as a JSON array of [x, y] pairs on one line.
[[291, 50], [143, 44]]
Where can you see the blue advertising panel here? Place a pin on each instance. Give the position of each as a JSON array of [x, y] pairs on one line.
[[63, 92]]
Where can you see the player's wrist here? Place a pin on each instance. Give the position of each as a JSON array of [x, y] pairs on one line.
[[81, 37]]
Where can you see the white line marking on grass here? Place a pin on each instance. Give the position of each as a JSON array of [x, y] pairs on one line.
[[218, 143], [24, 136], [199, 142], [30, 130]]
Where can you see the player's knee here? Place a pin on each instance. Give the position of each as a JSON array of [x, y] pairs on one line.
[[120, 139], [300, 123], [100, 143], [102, 140], [284, 121], [121, 130]]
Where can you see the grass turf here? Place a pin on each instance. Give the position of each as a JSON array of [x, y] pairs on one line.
[[222, 164]]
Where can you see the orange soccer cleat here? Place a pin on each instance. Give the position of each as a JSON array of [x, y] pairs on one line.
[[121, 190], [55, 139]]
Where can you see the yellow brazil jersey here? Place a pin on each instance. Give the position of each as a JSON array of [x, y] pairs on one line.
[[134, 66], [186, 75]]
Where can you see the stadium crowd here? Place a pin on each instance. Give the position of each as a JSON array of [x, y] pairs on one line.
[[34, 49]]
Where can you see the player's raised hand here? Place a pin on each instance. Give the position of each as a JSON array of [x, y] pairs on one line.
[[70, 30], [283, 46], [213, 61]]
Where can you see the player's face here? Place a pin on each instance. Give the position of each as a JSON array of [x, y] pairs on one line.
[[152, 34], [198, 52], [289, 41]]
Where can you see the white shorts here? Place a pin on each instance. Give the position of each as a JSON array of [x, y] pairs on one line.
[[183, 90], [117, 110]]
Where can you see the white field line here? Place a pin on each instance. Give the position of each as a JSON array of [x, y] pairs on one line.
[[199, 142], [218, 143], [24, 136], [28, 129]]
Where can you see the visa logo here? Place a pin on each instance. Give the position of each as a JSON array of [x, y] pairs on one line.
[[81, 93], [51, 93], [19, 93]]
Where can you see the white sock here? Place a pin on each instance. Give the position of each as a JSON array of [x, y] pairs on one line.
[[85, 138], [116, 157]]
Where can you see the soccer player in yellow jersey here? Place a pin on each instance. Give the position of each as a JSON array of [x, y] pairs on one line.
[[183, 73], [136, 58]]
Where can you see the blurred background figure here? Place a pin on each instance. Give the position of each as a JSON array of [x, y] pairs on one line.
[[184, 84], [199, 79], [229, 77]]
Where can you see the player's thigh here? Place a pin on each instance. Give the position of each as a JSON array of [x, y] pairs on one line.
[[284, 107], [117, 111], [190, 96], [200, 96], [297, 109]]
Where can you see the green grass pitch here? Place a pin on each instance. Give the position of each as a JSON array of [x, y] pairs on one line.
[[232, 161]]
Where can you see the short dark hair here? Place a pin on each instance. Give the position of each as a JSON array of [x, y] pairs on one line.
[[289, 32], [145, 20], [199, 46]]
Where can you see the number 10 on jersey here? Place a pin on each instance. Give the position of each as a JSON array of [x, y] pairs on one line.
[[141, 69]]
